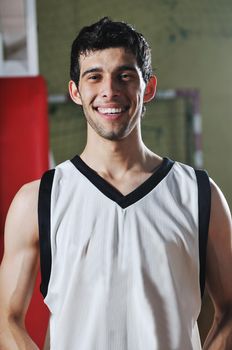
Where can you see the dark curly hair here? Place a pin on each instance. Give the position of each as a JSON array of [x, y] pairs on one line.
[[108, 34]]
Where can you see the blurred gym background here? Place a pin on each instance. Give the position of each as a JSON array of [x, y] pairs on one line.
[[190, 120]]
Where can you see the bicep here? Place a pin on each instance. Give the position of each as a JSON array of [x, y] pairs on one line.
[[21, 255], [219, 251]]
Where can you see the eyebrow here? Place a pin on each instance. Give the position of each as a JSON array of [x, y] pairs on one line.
[[91, 70], [99, 70], [127, 67]]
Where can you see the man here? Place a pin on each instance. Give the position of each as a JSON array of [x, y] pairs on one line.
[[123, 232]]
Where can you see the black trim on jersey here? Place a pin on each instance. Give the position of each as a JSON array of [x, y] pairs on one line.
[[204, 207], [44, 216], [112, 193]]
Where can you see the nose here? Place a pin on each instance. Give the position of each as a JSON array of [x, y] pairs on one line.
[[110, 88]]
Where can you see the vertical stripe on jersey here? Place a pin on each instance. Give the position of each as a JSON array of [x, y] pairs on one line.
[[204, 206], [44, 217]]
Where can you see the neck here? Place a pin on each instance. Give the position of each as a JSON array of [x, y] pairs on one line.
[[118, 157]]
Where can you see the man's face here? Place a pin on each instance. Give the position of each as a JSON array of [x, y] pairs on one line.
[[111, 91]]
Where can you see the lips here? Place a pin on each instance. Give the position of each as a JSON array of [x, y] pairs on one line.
[[111, 113], [110, 110]]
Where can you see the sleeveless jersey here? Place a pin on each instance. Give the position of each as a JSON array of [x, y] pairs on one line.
[[123, 272]]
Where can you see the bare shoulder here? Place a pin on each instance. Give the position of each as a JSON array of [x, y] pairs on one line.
[[22, 218], [29, 191], [220, 217], [219, 251], [25, 200]]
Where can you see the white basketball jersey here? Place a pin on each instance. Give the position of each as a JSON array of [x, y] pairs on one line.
[[123, 272]]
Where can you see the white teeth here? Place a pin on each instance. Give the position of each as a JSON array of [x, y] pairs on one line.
[[109, 110]]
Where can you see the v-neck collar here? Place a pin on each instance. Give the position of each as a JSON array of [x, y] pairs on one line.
[[111, 192]]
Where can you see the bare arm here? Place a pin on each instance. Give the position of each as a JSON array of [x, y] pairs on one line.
[[219, 272], [19, 268]]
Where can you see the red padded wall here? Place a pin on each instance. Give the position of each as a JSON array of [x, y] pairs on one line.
[[23, 158]]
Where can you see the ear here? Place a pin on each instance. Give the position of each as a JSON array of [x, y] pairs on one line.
[[74, 92], [150, 89]]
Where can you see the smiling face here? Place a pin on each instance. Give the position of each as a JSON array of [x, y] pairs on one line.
[[111, 91]]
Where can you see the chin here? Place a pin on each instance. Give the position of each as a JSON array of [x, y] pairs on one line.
[[113, 136]]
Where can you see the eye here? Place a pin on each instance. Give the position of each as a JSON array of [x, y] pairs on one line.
[[125, 76], [94, 77]]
